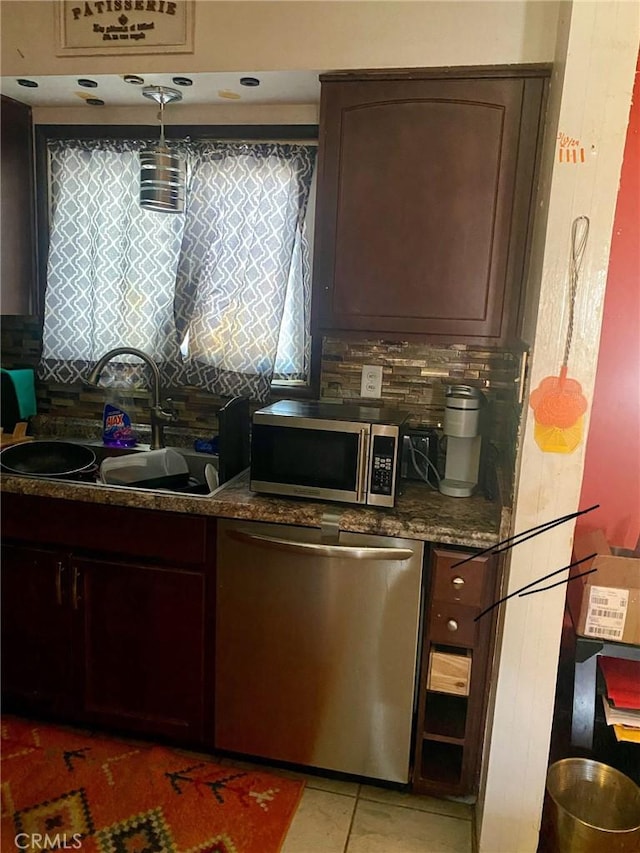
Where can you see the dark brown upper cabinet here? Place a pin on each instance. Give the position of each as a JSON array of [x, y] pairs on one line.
[[18, 255], [425, 189]]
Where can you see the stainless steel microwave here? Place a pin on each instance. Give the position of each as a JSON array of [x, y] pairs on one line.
[[327, 451]]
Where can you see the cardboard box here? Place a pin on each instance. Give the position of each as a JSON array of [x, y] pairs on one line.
[[605, 605]]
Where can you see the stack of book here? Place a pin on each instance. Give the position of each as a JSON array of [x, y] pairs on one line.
[[622, 697]]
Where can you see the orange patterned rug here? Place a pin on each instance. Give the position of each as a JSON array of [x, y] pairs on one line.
[[69, 790]]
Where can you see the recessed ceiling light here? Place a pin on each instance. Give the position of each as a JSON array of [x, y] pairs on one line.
[[133, 79], [30, 84], [95, 102], [249, 81], [88, 84], [182, 81]]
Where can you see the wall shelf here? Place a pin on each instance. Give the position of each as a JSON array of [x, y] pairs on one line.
[[442, 763], [445, 717]]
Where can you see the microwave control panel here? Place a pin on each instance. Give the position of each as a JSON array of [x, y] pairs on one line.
[[382, 465]]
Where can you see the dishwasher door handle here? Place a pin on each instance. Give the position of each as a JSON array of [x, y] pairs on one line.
[[311, 549]]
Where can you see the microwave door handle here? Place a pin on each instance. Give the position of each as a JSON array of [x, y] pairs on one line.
[[363, 467], [312, 549]]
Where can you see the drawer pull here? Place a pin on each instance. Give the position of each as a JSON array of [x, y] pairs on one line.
[[452, 625], [458, 582], [75, 596], [59, 570]]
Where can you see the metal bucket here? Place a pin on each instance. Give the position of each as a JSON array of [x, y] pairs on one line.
[[592, 808]]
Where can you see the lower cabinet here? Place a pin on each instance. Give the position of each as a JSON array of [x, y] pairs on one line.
[[36, 630], [456, 648], [142, 636], [100, 638], [108, 619]]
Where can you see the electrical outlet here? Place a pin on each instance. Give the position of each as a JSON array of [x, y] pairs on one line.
[[371, 382]]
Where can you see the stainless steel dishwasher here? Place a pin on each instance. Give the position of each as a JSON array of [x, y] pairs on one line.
[[316, 647]]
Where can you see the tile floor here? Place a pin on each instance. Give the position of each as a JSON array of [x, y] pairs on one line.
[[336, 816], [339, 816]]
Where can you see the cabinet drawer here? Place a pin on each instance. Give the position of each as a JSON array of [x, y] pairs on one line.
[[161, 536], [449, 673], [464, 584], [453, 624]]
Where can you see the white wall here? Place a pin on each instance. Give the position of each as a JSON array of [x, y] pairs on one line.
[[262, 36], [281, 36], [591, 92], [185, 114]]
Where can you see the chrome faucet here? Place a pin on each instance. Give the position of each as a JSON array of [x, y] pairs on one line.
[[159, 415]]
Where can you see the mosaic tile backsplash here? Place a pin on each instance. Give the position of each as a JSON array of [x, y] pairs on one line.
[[415, 378], [21, 345]]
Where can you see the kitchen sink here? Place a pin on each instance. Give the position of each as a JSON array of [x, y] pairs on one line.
[[175, 469], [196, 462], [183, 474], [167, 468]]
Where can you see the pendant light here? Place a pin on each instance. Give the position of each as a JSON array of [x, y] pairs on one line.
[[162, 173]]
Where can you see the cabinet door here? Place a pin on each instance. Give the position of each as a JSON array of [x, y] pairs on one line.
[[16, 216], [37, 659], [143, 642], [421, 222]]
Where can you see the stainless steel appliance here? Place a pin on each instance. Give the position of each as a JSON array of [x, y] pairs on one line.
[[316, 647], [321, 450], [464, 440]]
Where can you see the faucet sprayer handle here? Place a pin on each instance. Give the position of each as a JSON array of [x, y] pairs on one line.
[[169, 410]]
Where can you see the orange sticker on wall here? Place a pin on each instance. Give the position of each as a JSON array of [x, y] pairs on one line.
[[569, 149], [571, 155]]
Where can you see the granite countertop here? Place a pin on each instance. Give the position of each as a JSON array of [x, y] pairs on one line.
[[420, 512]]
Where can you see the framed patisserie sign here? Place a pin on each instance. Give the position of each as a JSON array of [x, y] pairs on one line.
[[102, 27]]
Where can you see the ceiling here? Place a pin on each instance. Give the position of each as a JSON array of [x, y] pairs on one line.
[[275, 87]]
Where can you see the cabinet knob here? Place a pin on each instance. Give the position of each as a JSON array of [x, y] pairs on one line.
[[458, 582], [452, 625]]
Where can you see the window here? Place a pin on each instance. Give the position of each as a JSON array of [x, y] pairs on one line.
[[218, 296]]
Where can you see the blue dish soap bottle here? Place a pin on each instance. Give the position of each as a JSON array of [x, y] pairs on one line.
[[116, 427]]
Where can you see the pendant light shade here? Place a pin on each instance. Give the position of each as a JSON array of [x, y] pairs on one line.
[[162, 172]]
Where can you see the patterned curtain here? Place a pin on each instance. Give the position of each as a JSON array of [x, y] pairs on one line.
[[229, 279], [112, 265], [243, 278]]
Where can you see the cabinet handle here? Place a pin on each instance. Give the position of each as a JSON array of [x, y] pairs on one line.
[[452, 625], [75, 598], [458, 582], [354, 552], [59, 571]]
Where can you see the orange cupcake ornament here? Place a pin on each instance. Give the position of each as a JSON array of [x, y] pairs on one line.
[[558, 402]]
